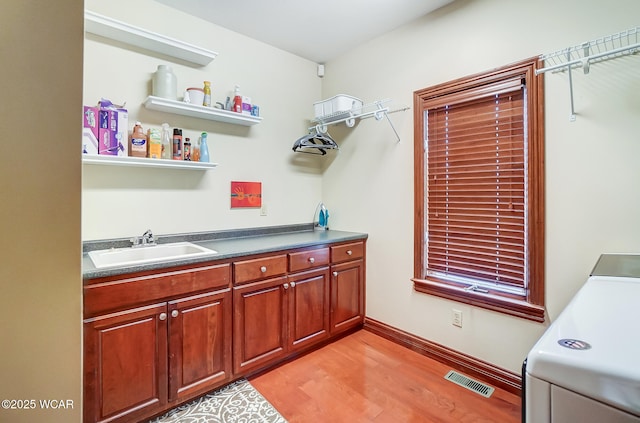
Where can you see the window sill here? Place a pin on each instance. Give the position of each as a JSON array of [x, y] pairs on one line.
[[501, 303]]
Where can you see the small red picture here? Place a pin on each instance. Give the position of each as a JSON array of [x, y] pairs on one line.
[[246, 194]]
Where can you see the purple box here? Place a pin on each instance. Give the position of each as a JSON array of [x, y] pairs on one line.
[[90, 131], [113, 130]]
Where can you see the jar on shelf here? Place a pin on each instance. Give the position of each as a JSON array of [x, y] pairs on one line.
[[164, 83]]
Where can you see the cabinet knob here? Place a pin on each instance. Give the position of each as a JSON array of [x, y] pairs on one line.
[[312, 260], [335, 273], [286, 286], [293, 284], [349, 252], [163, 316], [175, 313], [263, 269]]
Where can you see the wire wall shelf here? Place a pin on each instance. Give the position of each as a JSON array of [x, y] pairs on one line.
[[582, 55], [613, 46], [378, 110]]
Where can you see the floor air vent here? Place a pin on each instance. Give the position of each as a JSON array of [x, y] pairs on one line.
[[470, 384]]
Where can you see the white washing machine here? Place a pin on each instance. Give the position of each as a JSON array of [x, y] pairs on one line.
[[586, 366]]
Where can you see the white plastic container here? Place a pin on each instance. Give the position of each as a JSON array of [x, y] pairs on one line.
[[164, 83], [337, 105]]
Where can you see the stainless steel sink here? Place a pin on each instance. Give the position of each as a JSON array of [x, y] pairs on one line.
[[116, 257]]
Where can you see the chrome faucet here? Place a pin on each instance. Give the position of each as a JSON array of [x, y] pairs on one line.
[[145, 240]]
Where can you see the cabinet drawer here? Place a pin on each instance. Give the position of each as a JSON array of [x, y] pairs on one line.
[[125, 292], [251, 270], [304, 260], [347, 252]]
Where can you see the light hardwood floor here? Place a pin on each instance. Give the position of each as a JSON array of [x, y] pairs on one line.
[[366, 378]]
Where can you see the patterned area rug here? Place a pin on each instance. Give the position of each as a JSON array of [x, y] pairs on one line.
[[238, 402]]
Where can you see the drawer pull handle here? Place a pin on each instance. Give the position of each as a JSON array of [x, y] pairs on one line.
[[335, 273], [312, 260], [263, 269], [175, 313], [349, 252], [293, 284], [163, 316], [286, 286]]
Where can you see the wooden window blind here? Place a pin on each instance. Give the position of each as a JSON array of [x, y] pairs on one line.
[[476, 225]]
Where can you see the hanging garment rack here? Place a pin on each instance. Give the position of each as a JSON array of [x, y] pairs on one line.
[[377, 110], [582, 55]]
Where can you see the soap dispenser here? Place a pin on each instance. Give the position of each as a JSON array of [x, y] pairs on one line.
[[321, 218]]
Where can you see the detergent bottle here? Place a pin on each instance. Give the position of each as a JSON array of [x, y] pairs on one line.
[[204, 148]]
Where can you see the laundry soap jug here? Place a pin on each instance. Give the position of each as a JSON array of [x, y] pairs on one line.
[[138, 142], [164, 83]]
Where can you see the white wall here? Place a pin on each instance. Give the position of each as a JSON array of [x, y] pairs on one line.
[[592, 172], [124, 202], [40, 283]]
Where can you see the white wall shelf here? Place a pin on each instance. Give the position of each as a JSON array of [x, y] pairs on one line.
[[201, 112], [376, 110], [148, 40], [613, 46], [91, 159]]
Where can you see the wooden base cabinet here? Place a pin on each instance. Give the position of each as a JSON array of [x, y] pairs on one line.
[[153, 340], [276, 317], [347, 287], [259, 324], [140, 361], [125, 364], [308, 317], [199, 343]]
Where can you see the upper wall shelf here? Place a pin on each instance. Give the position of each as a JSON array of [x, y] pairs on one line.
[[582, 55], [613, 46], [377, 110], [201, 112], [145, 162], [123, 32]]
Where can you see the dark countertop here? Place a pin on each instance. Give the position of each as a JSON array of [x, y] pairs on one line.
[[228, 244]]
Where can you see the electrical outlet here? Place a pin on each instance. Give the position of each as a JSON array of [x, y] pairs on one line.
[[263, 210], [456, 318]]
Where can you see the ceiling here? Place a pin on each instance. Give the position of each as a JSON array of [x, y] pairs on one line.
[[318, 31]]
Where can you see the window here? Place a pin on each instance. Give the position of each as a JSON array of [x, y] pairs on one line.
[[479, 190]]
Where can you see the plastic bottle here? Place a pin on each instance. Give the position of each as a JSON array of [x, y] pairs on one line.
[[138, 143], [177, 144], [186, 150], [154, 139], [204, 148], [195, 151], [164, 83], [237, 100], [207, 94], [166, 141]]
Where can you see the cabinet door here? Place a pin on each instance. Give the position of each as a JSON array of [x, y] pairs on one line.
[[199, 343], [347, 295], [308, 298], [259, 324], [125, 364]]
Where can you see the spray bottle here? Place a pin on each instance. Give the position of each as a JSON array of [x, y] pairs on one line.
[[237, 100], [166, 141]]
